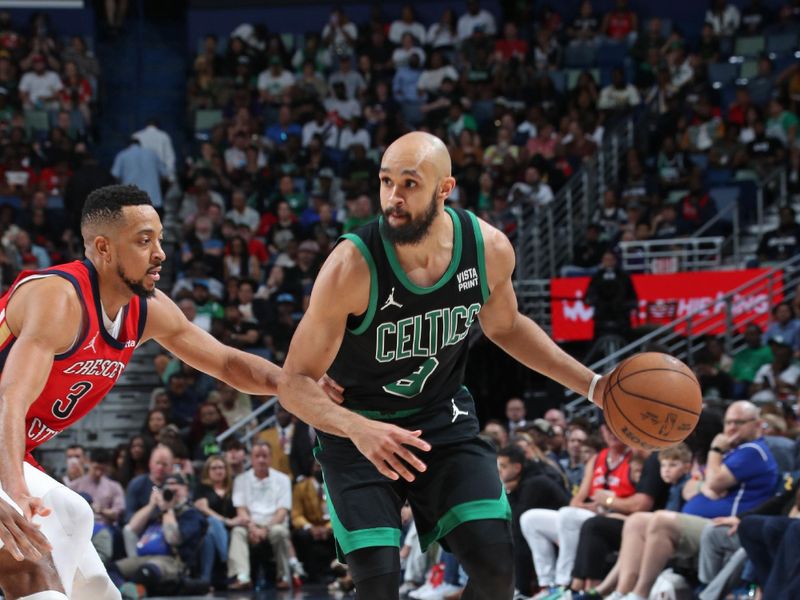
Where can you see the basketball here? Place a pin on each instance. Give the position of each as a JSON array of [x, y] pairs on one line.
[[652, 401]]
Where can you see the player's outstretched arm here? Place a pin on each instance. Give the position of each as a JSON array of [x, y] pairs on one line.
[[341, 289], [45, 316], [247, 373], [517, 334]]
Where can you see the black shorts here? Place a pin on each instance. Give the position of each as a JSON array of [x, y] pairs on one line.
[[461, 483]]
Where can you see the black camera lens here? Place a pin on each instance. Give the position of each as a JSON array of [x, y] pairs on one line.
[[168, 495]]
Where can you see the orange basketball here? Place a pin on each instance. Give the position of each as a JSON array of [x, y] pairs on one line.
[[652, 401]]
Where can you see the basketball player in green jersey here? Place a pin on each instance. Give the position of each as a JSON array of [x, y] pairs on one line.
[[388, 320]]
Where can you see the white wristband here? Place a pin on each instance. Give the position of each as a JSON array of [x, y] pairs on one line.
[[592, 385]]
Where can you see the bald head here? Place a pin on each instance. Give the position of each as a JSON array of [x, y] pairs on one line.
[[742, 422], [418, 149]]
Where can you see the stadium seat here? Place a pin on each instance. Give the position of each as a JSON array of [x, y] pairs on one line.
[[573, 74], [749, 69], [781, 44], [205, 120], [699, 159], [723, 197], [36, 120], [721, 74], [611, 55], [579, 56], [749, 46], [718, 176], [559, 79]]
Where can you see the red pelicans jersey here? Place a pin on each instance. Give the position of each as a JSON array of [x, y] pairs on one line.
[[82, 376]]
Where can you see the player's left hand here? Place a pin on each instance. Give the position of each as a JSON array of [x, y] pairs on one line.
[[334, 390]]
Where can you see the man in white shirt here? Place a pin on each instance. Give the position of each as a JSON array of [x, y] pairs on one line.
[[340, 34], [618, 94], [354, 133], [39, 88], [531, 191], [159, 142], [274, 82], [263, 497], [320, 125], [240, 213], [353, 81], [345, 108], [407, 24], [475, 17], [779, 379], [431, 79]]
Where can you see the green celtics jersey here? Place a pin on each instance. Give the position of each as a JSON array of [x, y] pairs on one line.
[[409, 349]]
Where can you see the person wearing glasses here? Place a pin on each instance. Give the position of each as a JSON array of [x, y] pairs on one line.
[[740, 473]]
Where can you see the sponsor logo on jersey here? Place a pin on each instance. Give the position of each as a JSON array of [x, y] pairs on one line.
[[96, 368], [468, 279], [130, 344]]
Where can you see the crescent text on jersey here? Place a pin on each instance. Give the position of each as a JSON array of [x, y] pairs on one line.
[[96, 368]]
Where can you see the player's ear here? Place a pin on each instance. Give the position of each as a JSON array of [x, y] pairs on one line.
[[102, 246], [447, 186]]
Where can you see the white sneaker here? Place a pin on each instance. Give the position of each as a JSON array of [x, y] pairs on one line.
[[407, 587], [615, 596], [417, 594], [440, 592], [632, 596]]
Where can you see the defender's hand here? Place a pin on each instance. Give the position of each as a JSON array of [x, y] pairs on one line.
[[334, 390], [19, 536], [385, 447]]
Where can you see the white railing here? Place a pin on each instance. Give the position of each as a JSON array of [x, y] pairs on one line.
[[672, 255]]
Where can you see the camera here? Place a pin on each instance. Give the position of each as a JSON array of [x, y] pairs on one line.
[[168, 495]]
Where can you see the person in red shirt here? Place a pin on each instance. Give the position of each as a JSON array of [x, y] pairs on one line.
[[510, 45], [620, 22]]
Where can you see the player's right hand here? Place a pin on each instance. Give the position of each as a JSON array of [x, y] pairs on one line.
[[19, 535], [385, 447]]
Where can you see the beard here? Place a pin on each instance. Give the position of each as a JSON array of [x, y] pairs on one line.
[[411, 232], [137, 287]]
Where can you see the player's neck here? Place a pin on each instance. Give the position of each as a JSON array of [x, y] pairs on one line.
[[114, 294], [428, 252]]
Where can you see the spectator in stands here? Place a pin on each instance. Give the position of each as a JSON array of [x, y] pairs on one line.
[[354, 83], [442, 34], [553, 536], [168, 532], [213, 498], [585, 27], [785, 324], [779, 379], [748, 361], [140, 167], [601, 535], [140, 488], [724, 18], [697, 207], [208, 423], [613, 297], [740, 474], [275, 83], [135, 461], [515, 413], [263, 498], [621, 24], [526, 487], [39, 88], [107, 499], [573, 463], [619, 94], [532, 191], [290, 443], [159, 142], [754, 17], [764, 152], [154, 422], [235, 456], [407, 24], [339, 35], [782, 124], [233, 404], [782, 242], [311, 522], [475, 18]]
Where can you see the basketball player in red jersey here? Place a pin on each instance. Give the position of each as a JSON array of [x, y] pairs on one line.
[[66, 334]]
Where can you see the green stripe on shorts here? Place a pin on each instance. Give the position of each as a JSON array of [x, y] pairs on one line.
[[360, 538], [474, 510], [381, 415]]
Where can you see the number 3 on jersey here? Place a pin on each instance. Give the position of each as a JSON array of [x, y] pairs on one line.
[[62, 409], [410, 386]]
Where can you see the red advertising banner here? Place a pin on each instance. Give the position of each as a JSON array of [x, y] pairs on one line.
[[664, 298]]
